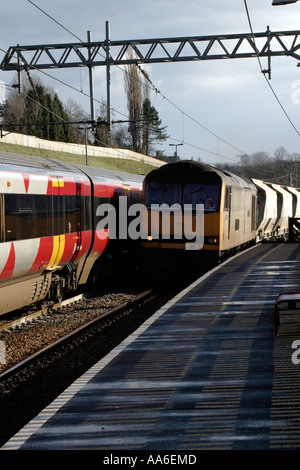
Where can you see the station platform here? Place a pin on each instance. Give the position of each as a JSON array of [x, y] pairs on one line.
[[205, 372]]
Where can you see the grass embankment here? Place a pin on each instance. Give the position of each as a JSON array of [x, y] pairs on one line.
[[118, 164]]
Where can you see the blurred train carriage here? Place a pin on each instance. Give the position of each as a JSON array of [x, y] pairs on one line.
[[48, 213], [107, 189]]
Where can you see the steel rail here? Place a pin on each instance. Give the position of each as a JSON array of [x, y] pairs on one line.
[[43, 311], [38, 354]]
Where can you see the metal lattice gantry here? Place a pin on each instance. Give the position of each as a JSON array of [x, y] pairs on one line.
[[148, 51]]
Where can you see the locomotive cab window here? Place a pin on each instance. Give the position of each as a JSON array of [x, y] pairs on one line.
[[190, 193], [159, 193], [206, 194]]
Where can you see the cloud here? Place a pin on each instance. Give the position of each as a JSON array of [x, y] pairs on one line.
[[229, 97]]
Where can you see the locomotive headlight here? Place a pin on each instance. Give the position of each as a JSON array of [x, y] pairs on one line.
[[212, 240], [149, 238]]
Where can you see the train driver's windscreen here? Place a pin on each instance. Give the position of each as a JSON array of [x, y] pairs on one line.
[[206, 194], [189, 193], [159, 193]]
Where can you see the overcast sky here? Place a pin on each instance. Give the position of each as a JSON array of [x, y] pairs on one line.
[[202, 103]]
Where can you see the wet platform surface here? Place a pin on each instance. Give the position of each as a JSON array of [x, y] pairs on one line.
[[206, 372]]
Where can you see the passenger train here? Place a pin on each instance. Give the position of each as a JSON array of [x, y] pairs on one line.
[[50, 242], [237, 212]]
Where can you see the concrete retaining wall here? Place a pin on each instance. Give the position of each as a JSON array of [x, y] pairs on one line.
[[78, 149]]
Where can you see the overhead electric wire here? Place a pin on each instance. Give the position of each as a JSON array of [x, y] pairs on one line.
[[157, 91], [57, 116], [67, 85], [53, 19], [73, 88], [121, 152], [261, 68], [202, 149], [153, 87], [190, 117]]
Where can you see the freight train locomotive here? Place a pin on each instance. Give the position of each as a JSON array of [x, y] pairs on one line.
[[237, 212], [50, 242]]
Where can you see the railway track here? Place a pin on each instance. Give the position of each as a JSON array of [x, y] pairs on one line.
[[17, 319], [26, 322], [32, 382]]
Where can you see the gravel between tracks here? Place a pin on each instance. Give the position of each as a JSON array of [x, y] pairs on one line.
[[23, 341]]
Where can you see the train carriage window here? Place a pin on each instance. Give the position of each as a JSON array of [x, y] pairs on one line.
[[27, 216], [58, 215], [25, 219], [10, 217], [25, 204], [43, 222], [73, 214], [19, 217]]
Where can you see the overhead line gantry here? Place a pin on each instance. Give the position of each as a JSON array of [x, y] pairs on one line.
[[149, 51]]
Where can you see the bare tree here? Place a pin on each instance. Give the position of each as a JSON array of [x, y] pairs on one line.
[[145, 127], [76, 113], [14, 108], [281, 154], [133, 89]]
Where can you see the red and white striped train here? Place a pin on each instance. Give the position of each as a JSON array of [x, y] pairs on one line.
[[49, 243]]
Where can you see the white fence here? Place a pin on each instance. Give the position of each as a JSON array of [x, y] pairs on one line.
[[78, 149]]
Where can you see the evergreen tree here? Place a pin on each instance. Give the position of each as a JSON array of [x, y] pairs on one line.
[[152, 130], [101, 133], [145, 126], [39, 107]]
